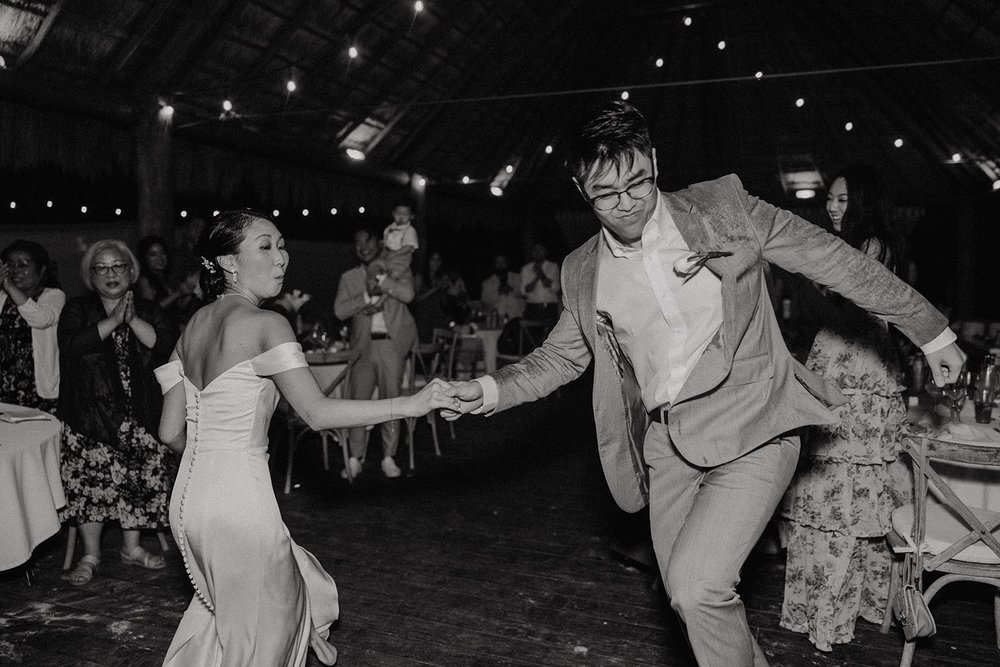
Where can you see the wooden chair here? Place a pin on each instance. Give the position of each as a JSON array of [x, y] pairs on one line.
[[939, 532], [422, 366], [297, 429], [466, 356], [530, 334]]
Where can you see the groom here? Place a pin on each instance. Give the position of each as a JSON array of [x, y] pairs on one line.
[[696, 398]]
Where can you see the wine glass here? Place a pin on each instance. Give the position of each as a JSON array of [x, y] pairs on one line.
[[953, 395]]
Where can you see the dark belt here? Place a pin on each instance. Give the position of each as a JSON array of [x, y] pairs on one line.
[[380, 336], [660, 414]]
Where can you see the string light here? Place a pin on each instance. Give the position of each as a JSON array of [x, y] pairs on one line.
[[548, 149], [118, 211], [227, 106], [215, 214], [659, 62], [184, 214], [83, 209], [466, 179], [687, 20], [996, 184], [898, 143], [509, 169], [352, 52], [305, 212], [800, 102], [166, 112], [290, 86], [275, 213], [418, 6], [13, 204], [48, 204], [956, 157], [848, 126], [361, 209], [333, 211], [758, 75], [421, 182], [722, 45], [355, 154], [624, 94], [496, 191]]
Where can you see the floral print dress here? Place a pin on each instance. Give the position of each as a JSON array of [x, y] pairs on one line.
[[125, 480], [17, 381], [848, 482]]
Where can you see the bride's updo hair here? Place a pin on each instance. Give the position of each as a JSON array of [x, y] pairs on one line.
[[222, 236]]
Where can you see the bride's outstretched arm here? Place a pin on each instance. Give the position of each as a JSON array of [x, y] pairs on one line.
[[299, 387]]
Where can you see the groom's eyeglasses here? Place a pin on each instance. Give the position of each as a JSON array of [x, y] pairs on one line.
[[102, 269], [638, 190]]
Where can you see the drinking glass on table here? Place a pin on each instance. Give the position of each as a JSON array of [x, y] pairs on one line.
[[953, 395], [983, 400]]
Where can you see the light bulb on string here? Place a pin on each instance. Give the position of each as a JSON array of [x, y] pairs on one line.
[[83, 209], [361, 210], [305, 212], [496, 191], [184, 214], [686, 20], [421, 182], [215, 214], [227, 106], [275, 213], [352, 52], [758, 75], [721, 45], [13, 204], [956, 157], [848, 126], [659, 62], [548, 149], [898, 143], [290, 86], [624, 94], [333, 211], [800, 102], [996, 184], [48, 204], [418, 6], [466, 179]]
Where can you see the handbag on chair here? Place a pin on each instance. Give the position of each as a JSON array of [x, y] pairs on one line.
[[910, 607]]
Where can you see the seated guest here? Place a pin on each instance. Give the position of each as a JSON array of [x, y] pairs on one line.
[[113, 467], [441, 296], [157, 284], [540, 286], [850, 476], [30, 303], [502, 290]]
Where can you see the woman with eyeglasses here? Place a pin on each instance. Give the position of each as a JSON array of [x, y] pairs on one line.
[[30, 303], [113, 467]]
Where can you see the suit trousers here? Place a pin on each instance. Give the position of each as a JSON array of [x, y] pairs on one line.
[[704, 522], [381, 365]]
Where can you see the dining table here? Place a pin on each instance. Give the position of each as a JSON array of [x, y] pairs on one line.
[[31, 491], [975, 485]]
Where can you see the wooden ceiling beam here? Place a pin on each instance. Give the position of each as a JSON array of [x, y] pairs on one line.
[[40, 35], [303, 12], [139, 33]]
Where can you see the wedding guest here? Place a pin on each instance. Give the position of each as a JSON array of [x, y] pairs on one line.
[[156, 283], [502, 290], [113, 467], [849, 477], [540, 286], [30, 303]]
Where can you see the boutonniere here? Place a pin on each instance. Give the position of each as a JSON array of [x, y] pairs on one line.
[[688, 266]]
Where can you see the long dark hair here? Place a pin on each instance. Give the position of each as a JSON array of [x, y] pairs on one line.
[[39, 255], [869, 214], [142, 249], [222, 236]]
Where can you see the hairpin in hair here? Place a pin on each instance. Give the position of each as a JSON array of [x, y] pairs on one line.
[[208, 264]]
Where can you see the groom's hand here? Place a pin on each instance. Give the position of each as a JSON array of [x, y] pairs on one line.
[[470, 396], [946, 364]]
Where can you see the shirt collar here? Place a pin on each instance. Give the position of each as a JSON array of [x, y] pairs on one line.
[[619, 249]]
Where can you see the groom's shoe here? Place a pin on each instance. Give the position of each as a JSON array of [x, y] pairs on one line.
[[390, 468], [354, 466]]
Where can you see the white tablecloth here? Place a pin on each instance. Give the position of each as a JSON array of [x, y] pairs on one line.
[[976, 486], [30, 486]]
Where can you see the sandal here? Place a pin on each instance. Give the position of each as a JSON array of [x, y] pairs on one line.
[[143, 558], [83, 572]]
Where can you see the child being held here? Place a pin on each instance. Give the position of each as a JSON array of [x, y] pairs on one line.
[[399, 241]]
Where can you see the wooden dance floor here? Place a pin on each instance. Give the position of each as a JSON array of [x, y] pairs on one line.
[[497, 554]]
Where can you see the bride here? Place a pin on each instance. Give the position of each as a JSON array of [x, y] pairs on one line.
[[260, 599]]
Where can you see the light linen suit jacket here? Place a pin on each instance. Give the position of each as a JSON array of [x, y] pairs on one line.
[[350, 304], [746, 388]]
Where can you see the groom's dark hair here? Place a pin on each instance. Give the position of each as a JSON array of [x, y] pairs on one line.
[[611, 136]]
